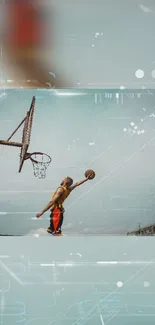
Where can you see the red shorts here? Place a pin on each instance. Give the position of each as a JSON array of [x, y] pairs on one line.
[[56, 220]]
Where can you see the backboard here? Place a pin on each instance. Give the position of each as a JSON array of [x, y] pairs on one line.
[[26, 134], [40, 160]]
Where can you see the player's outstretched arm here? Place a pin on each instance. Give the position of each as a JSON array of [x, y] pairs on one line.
[[49, 205], [72, 187]]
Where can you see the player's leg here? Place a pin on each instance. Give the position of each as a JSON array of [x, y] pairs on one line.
[[51, 227], [59, 231], [55, 220]]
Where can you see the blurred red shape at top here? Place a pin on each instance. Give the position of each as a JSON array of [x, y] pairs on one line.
[[25, 23]]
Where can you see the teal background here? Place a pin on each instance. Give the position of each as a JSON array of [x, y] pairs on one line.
[[71, 288], [54, 280], [81, 129]]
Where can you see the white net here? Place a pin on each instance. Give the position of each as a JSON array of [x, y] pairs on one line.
[[40, 164]]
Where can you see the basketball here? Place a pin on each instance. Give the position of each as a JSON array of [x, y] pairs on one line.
[[91, 173]]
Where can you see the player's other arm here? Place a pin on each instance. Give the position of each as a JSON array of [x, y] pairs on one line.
[[49, 205]]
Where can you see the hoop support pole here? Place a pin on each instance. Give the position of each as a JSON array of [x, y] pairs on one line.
[[17, 128], [10, 143]]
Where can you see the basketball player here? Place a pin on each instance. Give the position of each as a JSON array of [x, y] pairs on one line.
[[56, 204]]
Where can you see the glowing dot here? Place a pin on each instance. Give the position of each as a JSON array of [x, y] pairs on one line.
[[136, 127], [142, 120], [101, 34], [92, 45], [132, 123], [122, 87], [119, 284], [146, 284], [124, 129], [139, 132], [139, 74], [153, 74], [36, 235], [144, 109]]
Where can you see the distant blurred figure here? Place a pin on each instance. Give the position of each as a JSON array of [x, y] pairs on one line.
[[26, 41]]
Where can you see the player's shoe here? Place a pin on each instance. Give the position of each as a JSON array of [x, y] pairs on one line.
[[49, 230], [57, 233], [54, 233]]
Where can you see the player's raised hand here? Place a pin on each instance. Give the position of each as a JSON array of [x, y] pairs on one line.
[[89, 174], [88, 177]]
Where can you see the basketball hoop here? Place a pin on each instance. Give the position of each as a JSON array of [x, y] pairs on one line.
[[40, 162]]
